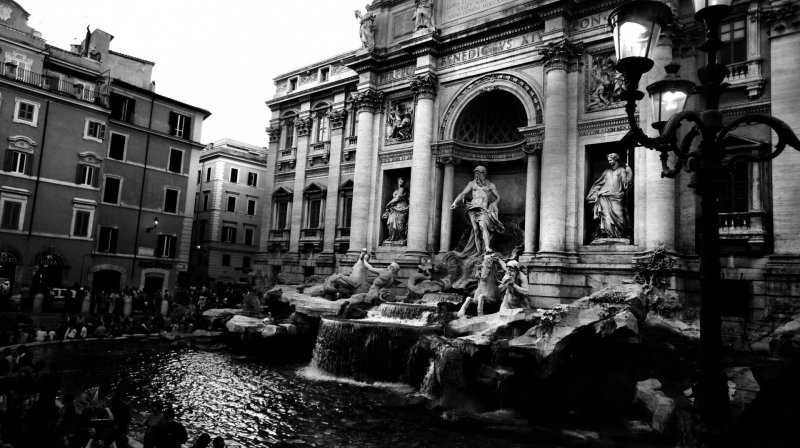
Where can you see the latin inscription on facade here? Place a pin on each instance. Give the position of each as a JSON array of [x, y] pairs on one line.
[[488, 50], [397, 75], [459, 9], [589, 22]]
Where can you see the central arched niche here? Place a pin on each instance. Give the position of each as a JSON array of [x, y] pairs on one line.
[[490, 121], [491, 118]]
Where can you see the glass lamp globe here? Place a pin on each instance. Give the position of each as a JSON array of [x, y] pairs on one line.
[[705, 9], [668, 96], [636, 26]]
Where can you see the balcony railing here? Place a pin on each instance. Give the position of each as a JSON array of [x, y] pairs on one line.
[[287, 152], [737, 71], [320, 147], [53, 84], [343, 233], [311, 234], [747, 226], [352, 140], [279, 235]]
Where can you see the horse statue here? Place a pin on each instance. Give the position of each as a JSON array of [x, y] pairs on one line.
[[487, 291]]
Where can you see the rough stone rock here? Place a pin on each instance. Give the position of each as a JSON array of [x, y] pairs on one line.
[[676, 327], [273, 330], [314, 306], [662, 408], [219, 313], [479, 324], [243, 324], [446, 297], [628, 294], [291, 329], [315, 290], [742, 389], [274, 294]]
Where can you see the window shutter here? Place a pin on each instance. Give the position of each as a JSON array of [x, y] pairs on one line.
[[233, 235], [80, 174], [160, 245], [129, 111], [112, 241], [187, 128], [96, 178], [101, 131], [29, 164], [9, 160], [173, 123], [172, 246]]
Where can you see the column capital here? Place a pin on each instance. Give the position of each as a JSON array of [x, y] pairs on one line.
[[274, 130], [534, 140], [448, 160], [369, 100], [303, 126], [424, 86], [561, 55], [337, 118], [781, 18]]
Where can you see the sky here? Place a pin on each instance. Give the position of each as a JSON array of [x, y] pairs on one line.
[[221, 56]]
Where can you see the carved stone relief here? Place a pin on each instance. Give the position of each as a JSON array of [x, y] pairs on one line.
[[400, 121], [604, 83]]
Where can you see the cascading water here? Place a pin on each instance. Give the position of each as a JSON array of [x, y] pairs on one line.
[[367, 351], [402, 313]]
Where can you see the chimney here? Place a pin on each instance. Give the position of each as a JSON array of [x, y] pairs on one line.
[[152, 86]]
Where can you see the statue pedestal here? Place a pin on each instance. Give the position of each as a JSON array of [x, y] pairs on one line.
[[611, 242]]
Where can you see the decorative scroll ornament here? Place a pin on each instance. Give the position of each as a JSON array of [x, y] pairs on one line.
[[560, 55], [337, 118], [303, 126], [370, 100], [424, 86]]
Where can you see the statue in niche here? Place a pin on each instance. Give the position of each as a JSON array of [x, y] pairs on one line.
[[398, 123], [396, 215], [423, 15], [608, 196], [367, 29], [605, 84], [481, 212]]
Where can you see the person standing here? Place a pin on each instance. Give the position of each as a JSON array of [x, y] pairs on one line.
[[171, 434]]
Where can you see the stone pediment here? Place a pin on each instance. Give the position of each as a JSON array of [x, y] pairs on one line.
[[282, 191], [90, 158], [314, 188], [21, 143]]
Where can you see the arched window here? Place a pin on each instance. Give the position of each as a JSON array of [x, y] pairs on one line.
[[492, 118]]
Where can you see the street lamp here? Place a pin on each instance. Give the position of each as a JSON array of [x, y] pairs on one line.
[[634, 24], [155, 225]]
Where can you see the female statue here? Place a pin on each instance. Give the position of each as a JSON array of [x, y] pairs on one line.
[[367, 28], [396, 215]]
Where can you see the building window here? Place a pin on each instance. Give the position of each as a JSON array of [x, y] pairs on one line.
[[12, 214], [734, 196], [86, 175], [94, 130], [208, 174], [324, 74], [347, 209], [249, 235], [205, 201], [82, 222], [322, 128], [251, 207], [18, 162], [314, 212], [117, 145], [353, 123], [226, 260], [165, 247], [229, 233], [231, 204], [252, 179], [199, 176], [107, 240], [175, 161], [281, 215], [200, 231], [733, 33], [234, 177], [292, 84], [179, 125], [26, 112], [171, 200], [288, 142], [122, 107], [111, 190], [245, 262]]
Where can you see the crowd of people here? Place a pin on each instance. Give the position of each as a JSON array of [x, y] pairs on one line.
[[119, 313]]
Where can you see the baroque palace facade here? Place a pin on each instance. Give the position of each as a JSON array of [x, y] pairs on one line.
[[526, 89], [95, 165]]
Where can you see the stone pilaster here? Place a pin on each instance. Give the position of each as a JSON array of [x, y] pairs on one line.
[[367, 102], [784, 21], [534, 137], [337, 121], [552, 232], [445, 233], [303, 131], [266, 216], [659, 206], [424, 87]]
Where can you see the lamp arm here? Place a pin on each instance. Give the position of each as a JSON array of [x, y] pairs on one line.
[[786, 136]]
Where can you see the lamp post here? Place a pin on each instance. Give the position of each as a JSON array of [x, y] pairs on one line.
[[636, 26]]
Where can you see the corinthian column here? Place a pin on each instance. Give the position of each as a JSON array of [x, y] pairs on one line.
[[445, 233], [552, 237], [420, 196], [337, 120], [366, 101]]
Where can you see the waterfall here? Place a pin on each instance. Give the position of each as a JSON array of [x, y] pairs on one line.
[[402, 313], [367, 351]]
